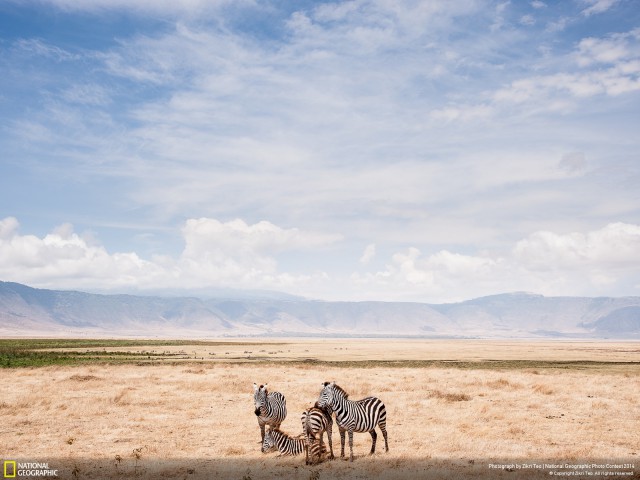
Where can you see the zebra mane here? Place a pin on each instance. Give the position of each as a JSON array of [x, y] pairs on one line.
[[340, 390], [277, 431]]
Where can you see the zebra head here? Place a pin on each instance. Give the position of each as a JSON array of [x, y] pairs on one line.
[[259, 398], [268, 444], [328, 396]]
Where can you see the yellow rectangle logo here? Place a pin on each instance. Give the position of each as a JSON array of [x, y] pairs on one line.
[[10, 469]]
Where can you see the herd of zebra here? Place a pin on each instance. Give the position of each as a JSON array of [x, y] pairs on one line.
[[351, 416]]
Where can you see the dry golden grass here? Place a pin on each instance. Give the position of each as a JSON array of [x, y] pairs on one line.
[[197, 421]]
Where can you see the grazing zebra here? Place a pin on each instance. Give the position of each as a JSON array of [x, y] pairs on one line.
[[288, 445], [317, 421], [271, 408], [354, 416]]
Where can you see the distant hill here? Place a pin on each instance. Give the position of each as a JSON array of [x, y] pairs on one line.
[[26, 311]]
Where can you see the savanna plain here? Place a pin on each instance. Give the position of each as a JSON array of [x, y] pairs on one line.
[[455, 409]]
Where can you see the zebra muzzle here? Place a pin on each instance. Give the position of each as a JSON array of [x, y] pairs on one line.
[[257, 412]]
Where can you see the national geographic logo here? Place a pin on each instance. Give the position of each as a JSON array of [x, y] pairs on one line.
[[13, 469], [9, 469]]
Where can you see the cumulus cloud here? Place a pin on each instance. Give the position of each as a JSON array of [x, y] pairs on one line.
[[215, 254], [599, 262], [65, 258], [614, 247], [240, 255]]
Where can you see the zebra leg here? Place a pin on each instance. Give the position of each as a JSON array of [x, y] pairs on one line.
[[351, 445], [331, 457], [261, 431], [306, 452], [341, 442], [374, 436], [383, 427]]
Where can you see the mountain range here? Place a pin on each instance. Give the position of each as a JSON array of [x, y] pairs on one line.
[[26, 311]]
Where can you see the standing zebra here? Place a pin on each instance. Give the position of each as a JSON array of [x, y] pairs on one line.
[[288, 445], [271, 408], [317, 421], [354, 416]]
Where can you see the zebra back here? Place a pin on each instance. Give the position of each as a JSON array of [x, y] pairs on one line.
[[314, 421]]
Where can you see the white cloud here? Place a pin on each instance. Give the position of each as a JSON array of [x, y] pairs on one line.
[[609, 50], [37, 47], [616, 246], [607, 66], [239, 255], [143, 6], [368, 254], [64, 258], [404, 123], [597, 6], [599, 262], [528, 20], [216, 254], [8, 227], [206, 235]]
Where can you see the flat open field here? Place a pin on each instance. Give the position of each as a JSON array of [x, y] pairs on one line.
[[456, 409]]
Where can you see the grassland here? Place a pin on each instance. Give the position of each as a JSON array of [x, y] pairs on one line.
[[454, 408]]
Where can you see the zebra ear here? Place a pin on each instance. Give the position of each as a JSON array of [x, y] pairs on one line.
[[255, 387], [265, 386]]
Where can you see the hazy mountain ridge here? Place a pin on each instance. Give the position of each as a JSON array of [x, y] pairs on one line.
[[29, 311]]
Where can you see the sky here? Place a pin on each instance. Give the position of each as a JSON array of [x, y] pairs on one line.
[[391, 150]]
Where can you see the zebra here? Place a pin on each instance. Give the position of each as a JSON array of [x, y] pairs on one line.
[[354, 416], [317, 421], [271, 408], [288, 445]]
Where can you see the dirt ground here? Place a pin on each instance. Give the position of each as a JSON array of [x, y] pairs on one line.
[[196, 420]]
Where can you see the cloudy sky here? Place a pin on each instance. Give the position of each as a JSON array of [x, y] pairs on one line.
[[347, 150]]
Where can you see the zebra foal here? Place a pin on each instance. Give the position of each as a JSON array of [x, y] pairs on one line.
[[354, 416], [271, 408], [316, 421], [288, 445]]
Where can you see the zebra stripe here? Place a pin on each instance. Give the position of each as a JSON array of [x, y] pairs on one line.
[[286, 444], [316, 421], [270, 408], [354, 416]]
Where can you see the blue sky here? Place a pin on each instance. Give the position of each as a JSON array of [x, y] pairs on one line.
[[360, 150]]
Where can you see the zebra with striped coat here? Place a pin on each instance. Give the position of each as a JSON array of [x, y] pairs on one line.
[[288, 445], [271, 408], [354, 416], [316, 421]]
